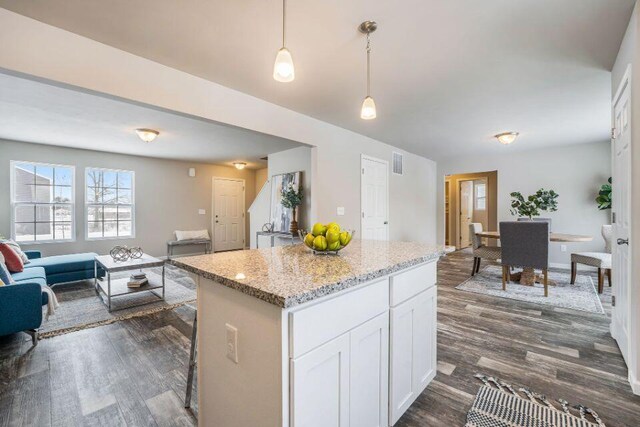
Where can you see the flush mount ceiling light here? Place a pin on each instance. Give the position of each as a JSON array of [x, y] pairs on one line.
[[507, 138], [239, 165], [283, 70], [147, 135], [368, 110]]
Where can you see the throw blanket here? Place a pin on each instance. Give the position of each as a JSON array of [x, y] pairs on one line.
[[52, 304]]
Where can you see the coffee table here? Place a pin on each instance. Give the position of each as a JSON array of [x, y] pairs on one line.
[[118, 287]]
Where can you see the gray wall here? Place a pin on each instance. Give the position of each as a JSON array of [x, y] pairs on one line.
[[574, 172], [166, 198]]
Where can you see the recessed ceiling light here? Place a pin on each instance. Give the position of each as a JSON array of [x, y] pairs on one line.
[[507, 138], [147, 135], [239, 165]]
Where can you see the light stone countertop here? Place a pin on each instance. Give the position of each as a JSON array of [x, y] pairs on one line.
[[290, 275]]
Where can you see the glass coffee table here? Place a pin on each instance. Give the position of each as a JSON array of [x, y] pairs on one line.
[[112, 288]]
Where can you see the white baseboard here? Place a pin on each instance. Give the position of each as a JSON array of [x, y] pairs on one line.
[[635, 382]]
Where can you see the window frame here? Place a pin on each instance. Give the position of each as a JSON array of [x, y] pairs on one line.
[[476, 197], [87, 205], [14, 203]]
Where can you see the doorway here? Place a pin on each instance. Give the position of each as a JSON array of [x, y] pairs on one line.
[[465, 217], [228, 214], [375, 198]]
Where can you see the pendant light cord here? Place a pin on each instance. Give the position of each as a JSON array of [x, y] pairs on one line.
[[284, 9], [368, 65]]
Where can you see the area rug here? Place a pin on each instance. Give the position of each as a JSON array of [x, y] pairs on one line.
[[81, 308], [582, 296], [499, 404]]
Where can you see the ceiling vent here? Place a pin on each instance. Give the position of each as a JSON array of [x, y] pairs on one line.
[[397, 163]]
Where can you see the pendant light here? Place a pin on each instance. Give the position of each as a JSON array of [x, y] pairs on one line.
[[368, 111], [283, 70]]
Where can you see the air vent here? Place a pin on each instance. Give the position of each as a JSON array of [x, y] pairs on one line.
[[397, 163]]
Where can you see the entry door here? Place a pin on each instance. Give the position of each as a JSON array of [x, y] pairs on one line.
[[621, 200], [375, 199], [228, 208], [466, 212]]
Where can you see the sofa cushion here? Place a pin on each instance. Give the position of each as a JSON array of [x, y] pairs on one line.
[[30, 273], [64, 263], [11, 259]]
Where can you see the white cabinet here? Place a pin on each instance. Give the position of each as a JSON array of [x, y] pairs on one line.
[[320, 386], [369, 371], [413, 350]]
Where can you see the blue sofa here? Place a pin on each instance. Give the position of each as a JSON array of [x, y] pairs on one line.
[[21, 303]]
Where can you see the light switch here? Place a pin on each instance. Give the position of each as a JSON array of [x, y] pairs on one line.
[[563, 248], [232, 343], [202, 211], [340, 210]]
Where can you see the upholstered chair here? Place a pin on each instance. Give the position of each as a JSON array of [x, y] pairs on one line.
[[538, 219], [525, 244], [600, 260], [481, 250]]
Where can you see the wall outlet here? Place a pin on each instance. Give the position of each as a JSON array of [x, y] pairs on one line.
[[232, 343], [563, 248], [340, 211], [202, 212]]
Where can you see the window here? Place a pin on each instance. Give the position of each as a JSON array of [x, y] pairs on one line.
[[481, 196], [110, 208], [42, 202]]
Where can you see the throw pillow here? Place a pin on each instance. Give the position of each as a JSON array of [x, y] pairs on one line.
[[5, 276], [1, 282], [11, 258], [192, 235], [17, 249]]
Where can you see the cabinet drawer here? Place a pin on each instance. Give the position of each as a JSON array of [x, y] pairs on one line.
[[320, 323], [409, 283]]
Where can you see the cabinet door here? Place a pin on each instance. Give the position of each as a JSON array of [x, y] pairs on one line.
[[369, 372], [413, 351], [320, 386]]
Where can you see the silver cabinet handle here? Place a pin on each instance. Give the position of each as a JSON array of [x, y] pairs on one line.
[[623, 241]]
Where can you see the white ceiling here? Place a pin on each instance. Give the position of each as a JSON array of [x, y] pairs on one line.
[[37, 112], [447, 74]]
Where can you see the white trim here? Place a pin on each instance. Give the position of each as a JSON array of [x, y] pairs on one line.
[[634, 381], [213, 211], [13, 204], [86, 206], [364, 157]]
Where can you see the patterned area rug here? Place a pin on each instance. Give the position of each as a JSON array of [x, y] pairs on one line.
[[81, 308], [499, 404], [582, 296]]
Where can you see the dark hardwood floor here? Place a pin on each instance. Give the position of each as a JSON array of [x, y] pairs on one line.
[[134, 372]]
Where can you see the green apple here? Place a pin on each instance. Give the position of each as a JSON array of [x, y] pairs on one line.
[[345, 238], [308, 240], [334, 246], [320, 243], [333, 226], [332, 236], [319, 229]]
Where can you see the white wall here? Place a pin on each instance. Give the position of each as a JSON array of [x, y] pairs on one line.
[[50, 53], [574, 172], [629, 55], [166, 198]]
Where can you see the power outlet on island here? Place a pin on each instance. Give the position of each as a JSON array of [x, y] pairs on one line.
[[232, 343]]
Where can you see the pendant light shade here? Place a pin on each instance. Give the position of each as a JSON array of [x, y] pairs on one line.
[[368, 109], [283, 70]]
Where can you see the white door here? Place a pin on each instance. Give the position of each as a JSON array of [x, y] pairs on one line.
[[369, 371], [375, 199], [413, 351], [228, 214], [621, 200], [466, 212], [320, 386]]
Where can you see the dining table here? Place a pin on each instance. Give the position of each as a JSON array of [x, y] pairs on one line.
[[527, 276]]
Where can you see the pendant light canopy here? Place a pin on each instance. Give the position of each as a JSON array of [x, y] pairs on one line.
[[283, 70], [368, 110]]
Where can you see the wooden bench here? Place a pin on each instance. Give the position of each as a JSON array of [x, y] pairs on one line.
[[190, 242]]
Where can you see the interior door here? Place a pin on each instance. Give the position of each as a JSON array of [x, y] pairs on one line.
[[621, 201], [466, 212], [375, 199], [228, 208]]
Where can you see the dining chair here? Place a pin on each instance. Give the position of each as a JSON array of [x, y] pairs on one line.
[[538, 219], [525, 244], [600, 260], [481, 250]]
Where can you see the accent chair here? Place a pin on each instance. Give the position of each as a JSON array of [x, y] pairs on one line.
[[481, 250], [600, 260]]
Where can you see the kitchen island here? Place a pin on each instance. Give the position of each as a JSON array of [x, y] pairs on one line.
[[289, 338]]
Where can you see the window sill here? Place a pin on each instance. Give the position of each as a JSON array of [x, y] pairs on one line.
[[90, 239], [42, 242]]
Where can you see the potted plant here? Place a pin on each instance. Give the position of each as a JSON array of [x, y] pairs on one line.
[[542, 200], [291, 199], [604, 196]]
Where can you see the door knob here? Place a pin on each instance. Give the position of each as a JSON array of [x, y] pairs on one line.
[[623, 241], [386, 222]]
